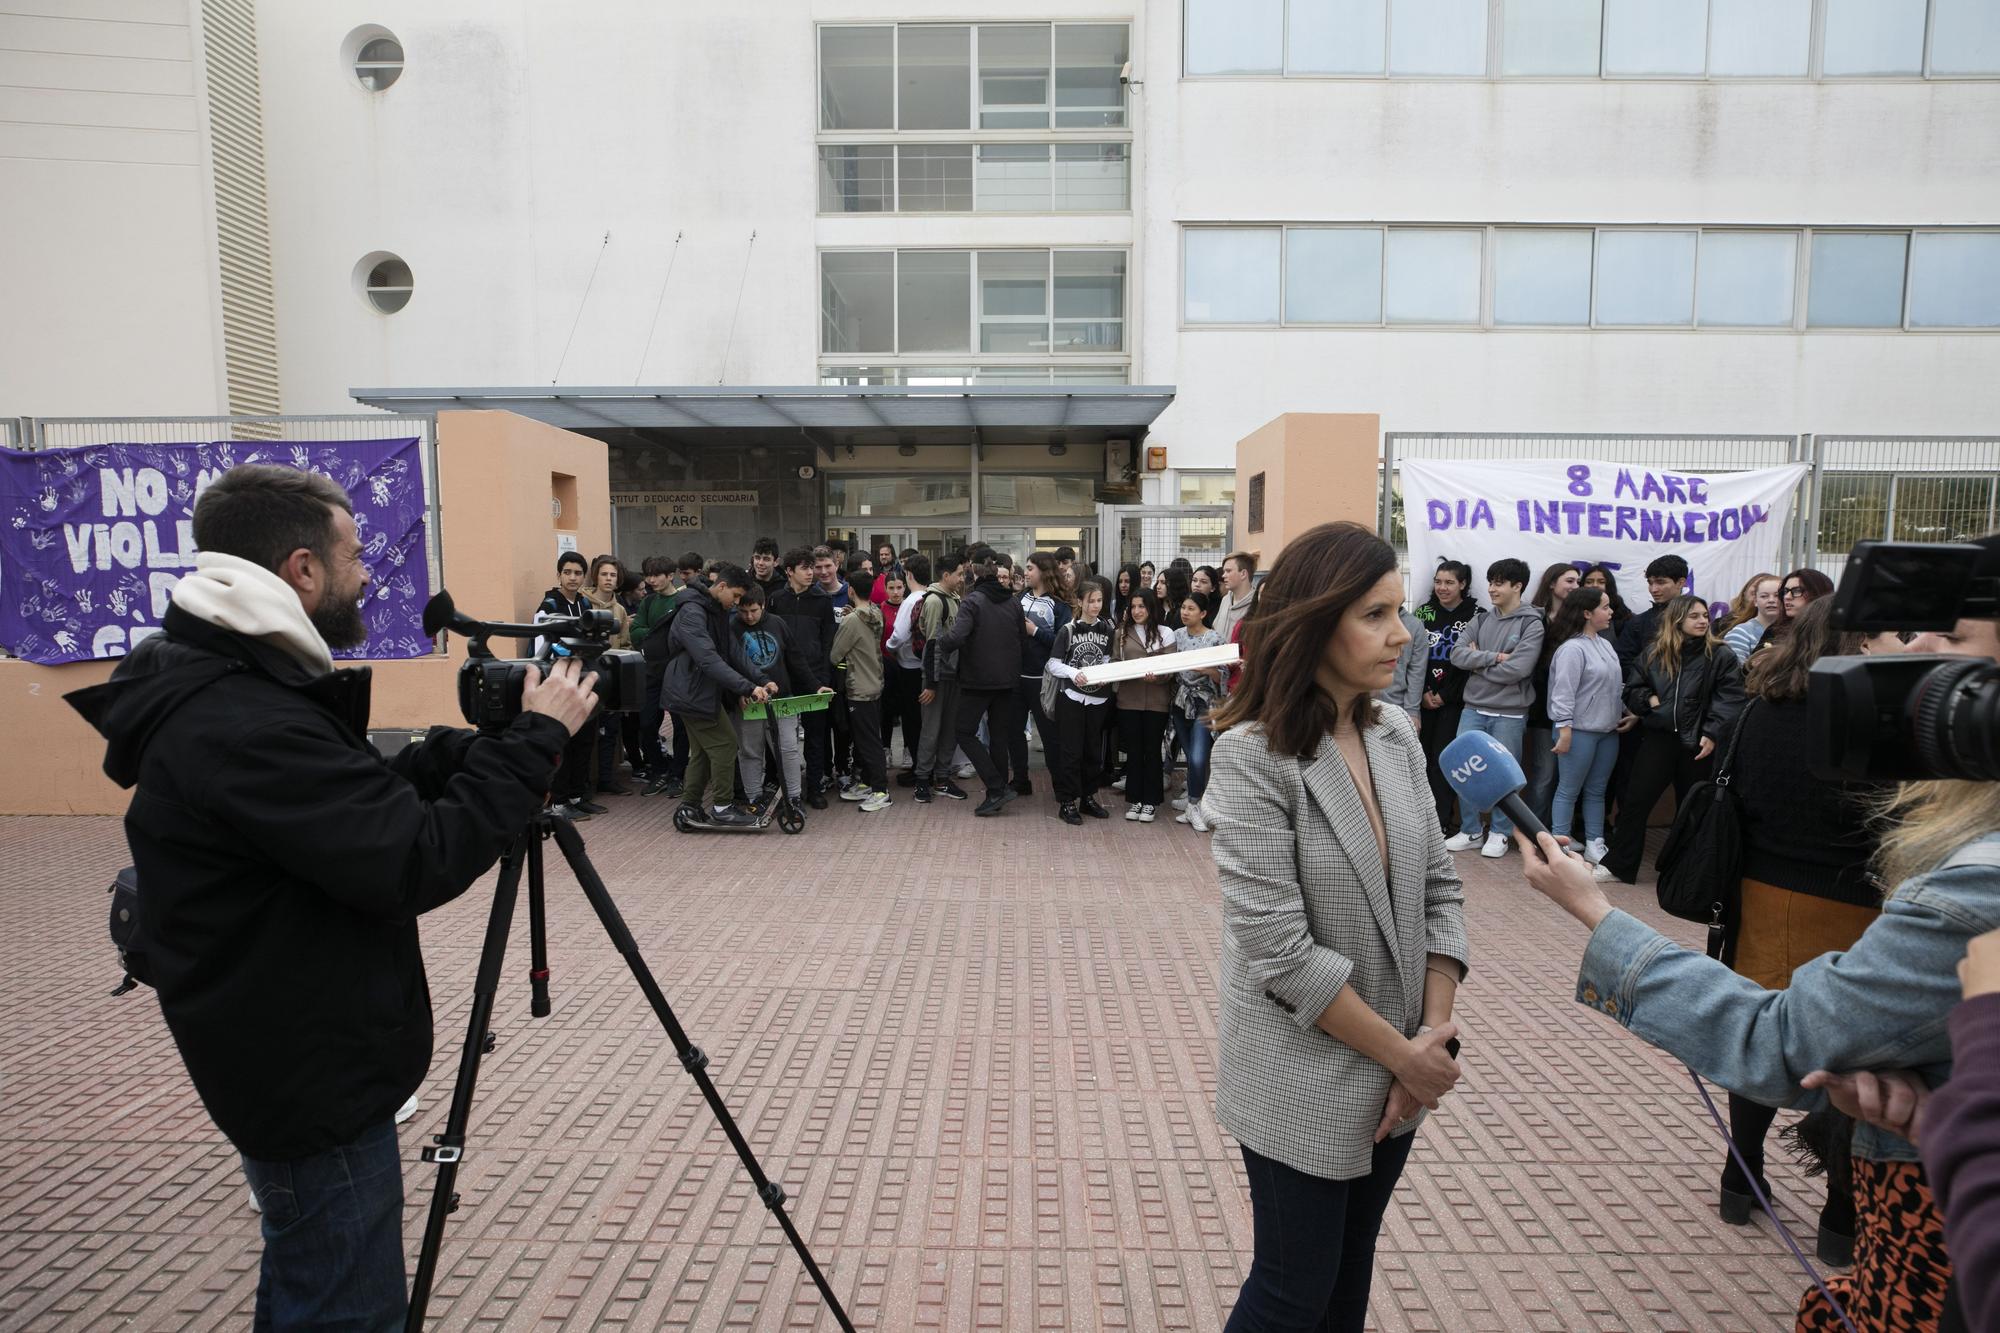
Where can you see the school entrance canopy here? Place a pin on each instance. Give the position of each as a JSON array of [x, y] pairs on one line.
[[832, 417]]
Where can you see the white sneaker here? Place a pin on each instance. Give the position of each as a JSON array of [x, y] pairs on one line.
[[1179, 803], [1183, 818], [1496, 846], [1195, 818], [1118, 785], [1601, 872], [1459, 842], [1148, 813], [967, 771], [855, 792], [255, 1207], [1595, 851], [1132, 813], [407, 1109], [877, 800]]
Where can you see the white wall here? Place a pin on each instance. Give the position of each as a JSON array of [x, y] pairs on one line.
[[110, 303]]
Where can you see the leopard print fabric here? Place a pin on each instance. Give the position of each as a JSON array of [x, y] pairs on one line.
[[1900, 1271]]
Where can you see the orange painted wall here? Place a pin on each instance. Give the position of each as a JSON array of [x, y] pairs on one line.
[[1319, 467], [499, 545]]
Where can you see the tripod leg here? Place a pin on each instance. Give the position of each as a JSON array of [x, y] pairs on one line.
[[692, 1056], [450, 1145], [538, 934]]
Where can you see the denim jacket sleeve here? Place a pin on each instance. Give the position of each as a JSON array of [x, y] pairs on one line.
[[1882, 1004]]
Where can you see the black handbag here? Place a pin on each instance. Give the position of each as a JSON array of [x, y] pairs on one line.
[[1701, 861]]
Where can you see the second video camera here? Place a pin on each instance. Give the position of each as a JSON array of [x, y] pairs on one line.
[[489, 687]]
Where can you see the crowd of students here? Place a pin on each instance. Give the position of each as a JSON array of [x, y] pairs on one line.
[[940, 671]]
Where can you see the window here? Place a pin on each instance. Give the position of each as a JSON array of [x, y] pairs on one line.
[[1645, 277], [1965, 37], [1089, 301], [1013, 178], [934, 301], [1090, 65], [1234, 36], [1873, 37], [1336, 36], [1333, 275], [1232, 275], [1655, 37], [1541, 276], [1092, 177], [378, 59], [1550, 36], [1437, 37], [1256, 503], [1431, 276], [1857, 280], [933, 77], [857, 302], [857, 178], [1014, 301], [934, 178], [1014, 66], [1747, 278], [857, 79], [1955, 279], [385, 281], [1759, 38], [1207, 488]]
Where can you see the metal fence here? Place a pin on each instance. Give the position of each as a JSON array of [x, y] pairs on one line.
[[1134, 534], [80, 432], [11, 433], [1912, 488]]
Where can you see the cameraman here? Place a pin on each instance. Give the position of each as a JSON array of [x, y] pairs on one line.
[[1882, 1003], [283, 865]]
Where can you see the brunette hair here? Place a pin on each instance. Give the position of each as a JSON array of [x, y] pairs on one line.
[[1779, 673], [1544, 600], [1155, 630], [1816, 584], [1317, 577], [1619, 611], [601, 562], [1569, 618]]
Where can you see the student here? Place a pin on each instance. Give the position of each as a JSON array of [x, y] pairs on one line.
[[1605, 577], [1687, 690], [1741, 608], [903, 697], [1538, 758], [1587, 711], [601, 591], [827, 565], [1143, 705], [1498, 650], [764, 645], [571, 793], [937, 734], [1666, 578], [650, 636], [1197, 692], [704, 682], [1044, 612], [691, 567], [899, 702], [764, 567], [1766, 608], [857, 652], [808, 614], [1444, 617], [1076, 763], [1147, 573], [986, 635]]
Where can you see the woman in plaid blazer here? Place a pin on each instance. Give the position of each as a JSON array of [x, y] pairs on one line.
[[1343, 931]]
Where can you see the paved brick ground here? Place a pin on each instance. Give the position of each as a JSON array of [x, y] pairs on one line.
[[979, 1054]]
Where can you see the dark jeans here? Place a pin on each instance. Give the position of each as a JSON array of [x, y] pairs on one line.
[[1538, 757], [1027, 704], [1145, 764], [333, 1236], [900, 708], [574, 774], [1077, 762], [819, 746], [996, 708], [864, 724], [1439, 728], [843, 734], [1661, 762], [1313, 1254]]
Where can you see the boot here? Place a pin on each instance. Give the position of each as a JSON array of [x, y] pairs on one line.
[[1749, 1122], [1836, 1230]]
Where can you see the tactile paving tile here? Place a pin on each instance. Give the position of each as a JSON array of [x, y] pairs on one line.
[[978, 1054]]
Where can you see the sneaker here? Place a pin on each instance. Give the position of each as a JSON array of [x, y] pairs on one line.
[[662, 786], [967, 771], [1496, 846], [855, 791], [995, 802], [1183, 818], [255, 1207], [1595, 850], [1460, 842], [613, 788], [1132, 812], [1599, 872], [589, 807], [1179, 803], [816, 799], [923, 795], [407, 1109], [731, 816], [951, 791], [877, 800], [564, 810], [1069, 814], [1196, 820], [1118, 785], [1089, 805], [1148, 813]]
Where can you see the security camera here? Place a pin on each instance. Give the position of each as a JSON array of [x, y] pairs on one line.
[[1125, 74]]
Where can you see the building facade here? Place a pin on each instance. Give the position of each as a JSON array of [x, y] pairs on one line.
[[1566, 216]]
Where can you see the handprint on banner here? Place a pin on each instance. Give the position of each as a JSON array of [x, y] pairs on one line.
[[301, 458], [43, 538], [30, 648], [79, 491], [48, 499], [375, 547], [182, 490], [380, 488], [405, 586], [117, 602], [65, 640], [85, 600], [178, 462], [134, 588]]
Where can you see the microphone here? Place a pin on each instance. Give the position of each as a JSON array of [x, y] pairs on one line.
[[1482, 772]]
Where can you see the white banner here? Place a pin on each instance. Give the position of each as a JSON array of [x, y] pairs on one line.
[[1726, 525]]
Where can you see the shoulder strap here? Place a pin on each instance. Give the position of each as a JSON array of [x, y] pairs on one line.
[[1735, 734]]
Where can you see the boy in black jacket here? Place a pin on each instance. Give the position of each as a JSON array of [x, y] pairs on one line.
[[702, 688], [987, 636], [764, 645], [808, 615], [571, 794]]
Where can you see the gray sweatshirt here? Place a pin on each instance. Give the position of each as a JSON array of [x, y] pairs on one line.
[[1406, 691], [1586, 686], [1494, 686]]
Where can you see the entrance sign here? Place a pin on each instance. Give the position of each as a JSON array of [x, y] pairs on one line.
[[93, 540], [678, 511], [1726, 525]]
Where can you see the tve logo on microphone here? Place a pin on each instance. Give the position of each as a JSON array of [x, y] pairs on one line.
[[1463, 773]]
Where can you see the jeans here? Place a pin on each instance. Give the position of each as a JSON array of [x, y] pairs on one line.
[[753, 741], [1313, 1252], [1508, 731], [333, 1236], [1028, 703], [1194, 736], [937, 734], [1538, 763], [1585, 772]]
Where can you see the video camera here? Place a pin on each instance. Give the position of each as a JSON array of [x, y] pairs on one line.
[[489, 688], [1901, 717]]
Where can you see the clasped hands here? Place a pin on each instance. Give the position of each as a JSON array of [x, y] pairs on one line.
[[1425, 1071]]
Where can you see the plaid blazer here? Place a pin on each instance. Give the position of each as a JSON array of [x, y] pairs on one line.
[[1306, 909]]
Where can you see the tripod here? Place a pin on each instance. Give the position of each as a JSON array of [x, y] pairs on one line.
[[449, 1147]]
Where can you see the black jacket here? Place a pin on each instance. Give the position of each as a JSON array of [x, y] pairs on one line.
[[1682, 710], [1441, 677], [987, 636], [768, 654], [1637, 636], [809, 617], [282, 866], [1800, 832], [705, 677]]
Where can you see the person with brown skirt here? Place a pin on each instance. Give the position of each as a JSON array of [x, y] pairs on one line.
[[1806, 887]]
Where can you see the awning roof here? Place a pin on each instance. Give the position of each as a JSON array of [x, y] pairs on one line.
[[829, 415]]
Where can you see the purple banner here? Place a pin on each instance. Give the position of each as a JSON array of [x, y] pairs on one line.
[[93, 540]]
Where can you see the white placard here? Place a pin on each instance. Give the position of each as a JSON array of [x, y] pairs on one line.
[[1195, 659]]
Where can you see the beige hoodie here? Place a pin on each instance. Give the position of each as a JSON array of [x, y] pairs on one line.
[[250, 600]]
